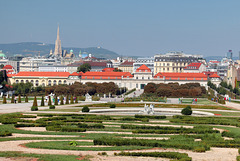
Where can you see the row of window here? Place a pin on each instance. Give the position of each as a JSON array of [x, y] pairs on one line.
[[36, 83], [171, 64]]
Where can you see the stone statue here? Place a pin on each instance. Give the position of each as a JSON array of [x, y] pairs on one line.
[[88, 98], [148, 109]]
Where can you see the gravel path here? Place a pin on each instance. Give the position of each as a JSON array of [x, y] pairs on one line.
[[215, 154]]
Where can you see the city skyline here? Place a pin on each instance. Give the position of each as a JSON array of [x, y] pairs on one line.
[[136, 28]]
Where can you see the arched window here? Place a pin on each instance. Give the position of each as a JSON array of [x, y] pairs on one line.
[[36, 83], [22, 81], [65, 82], [43, 84], [59, 82], [17, 81], [27, 81], [54, 82], [49, 82]]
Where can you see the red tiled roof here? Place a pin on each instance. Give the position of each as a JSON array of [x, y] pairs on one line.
[[92, 63], [42, 74], [209, 73], [106, 75], [193, 66], [8, 67], [108, 70], [181, 76], [10, 75], [143, 68], [127, 63], [214, 61], [74, 74], [214, 76]]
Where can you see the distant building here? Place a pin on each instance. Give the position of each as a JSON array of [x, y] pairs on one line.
[[58, 47], [126, 66], [174, 62], [229, 54], [149, 62], [195, 68]]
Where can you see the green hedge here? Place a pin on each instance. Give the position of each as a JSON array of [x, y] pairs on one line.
[[186, 142], [171, 155], [5, 133], [150, 117]]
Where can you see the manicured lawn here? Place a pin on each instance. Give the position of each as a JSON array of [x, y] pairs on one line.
[[43, 157]]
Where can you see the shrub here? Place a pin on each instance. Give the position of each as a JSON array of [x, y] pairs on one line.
[[19, 98], [187, 110], [67, 100], [102, 153], [61, 100], [34, 108], [112, 105], [56, 100], [4, 100], [5, 133], [72, 102], [42, 101], [12, 100], [85, 109], [26, 98], [49, 101], [51, 107], [150, 116], [72, 129], [35, 102], [171, 155]]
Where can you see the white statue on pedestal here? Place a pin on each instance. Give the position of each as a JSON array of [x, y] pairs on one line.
[[148, 109], [88, 98]]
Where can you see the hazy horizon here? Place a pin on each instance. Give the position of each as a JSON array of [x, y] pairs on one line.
[[134, 28]]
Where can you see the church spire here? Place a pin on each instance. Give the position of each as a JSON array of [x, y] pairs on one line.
[[58, 48]]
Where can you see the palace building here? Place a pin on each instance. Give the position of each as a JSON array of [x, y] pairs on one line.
[[141, 77]]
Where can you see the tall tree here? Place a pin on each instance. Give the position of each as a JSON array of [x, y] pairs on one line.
[[42, 101], [84, 68]]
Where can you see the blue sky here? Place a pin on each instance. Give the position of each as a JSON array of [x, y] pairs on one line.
[[128, 27]]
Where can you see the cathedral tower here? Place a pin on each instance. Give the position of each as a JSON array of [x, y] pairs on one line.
[[58, 48]]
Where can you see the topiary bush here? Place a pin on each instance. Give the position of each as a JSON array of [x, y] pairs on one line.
[[26, 98], [51, 107], [187, 110], [4, 100], [112, 105], [85, 109], [34, 108], [42, 101], [19, 98]]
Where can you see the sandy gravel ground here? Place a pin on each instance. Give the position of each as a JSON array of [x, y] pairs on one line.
[[215, 154]]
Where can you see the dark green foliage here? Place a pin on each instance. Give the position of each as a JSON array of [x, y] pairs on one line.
[[187, 110], [67, 100], [24, 125], [49, 101], [112, 105], [72, 101], [84, 68], [61, 100], [5, 133], [85, 109], [55, 100], [150, 117], [42, 101], [26, 98], [134, 119], [72, 129], [206, 120], [51, 107], [171, 155], [19, 98], [12, 100], [35, 101], [34, 108], [183, 142], [4, 100]]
